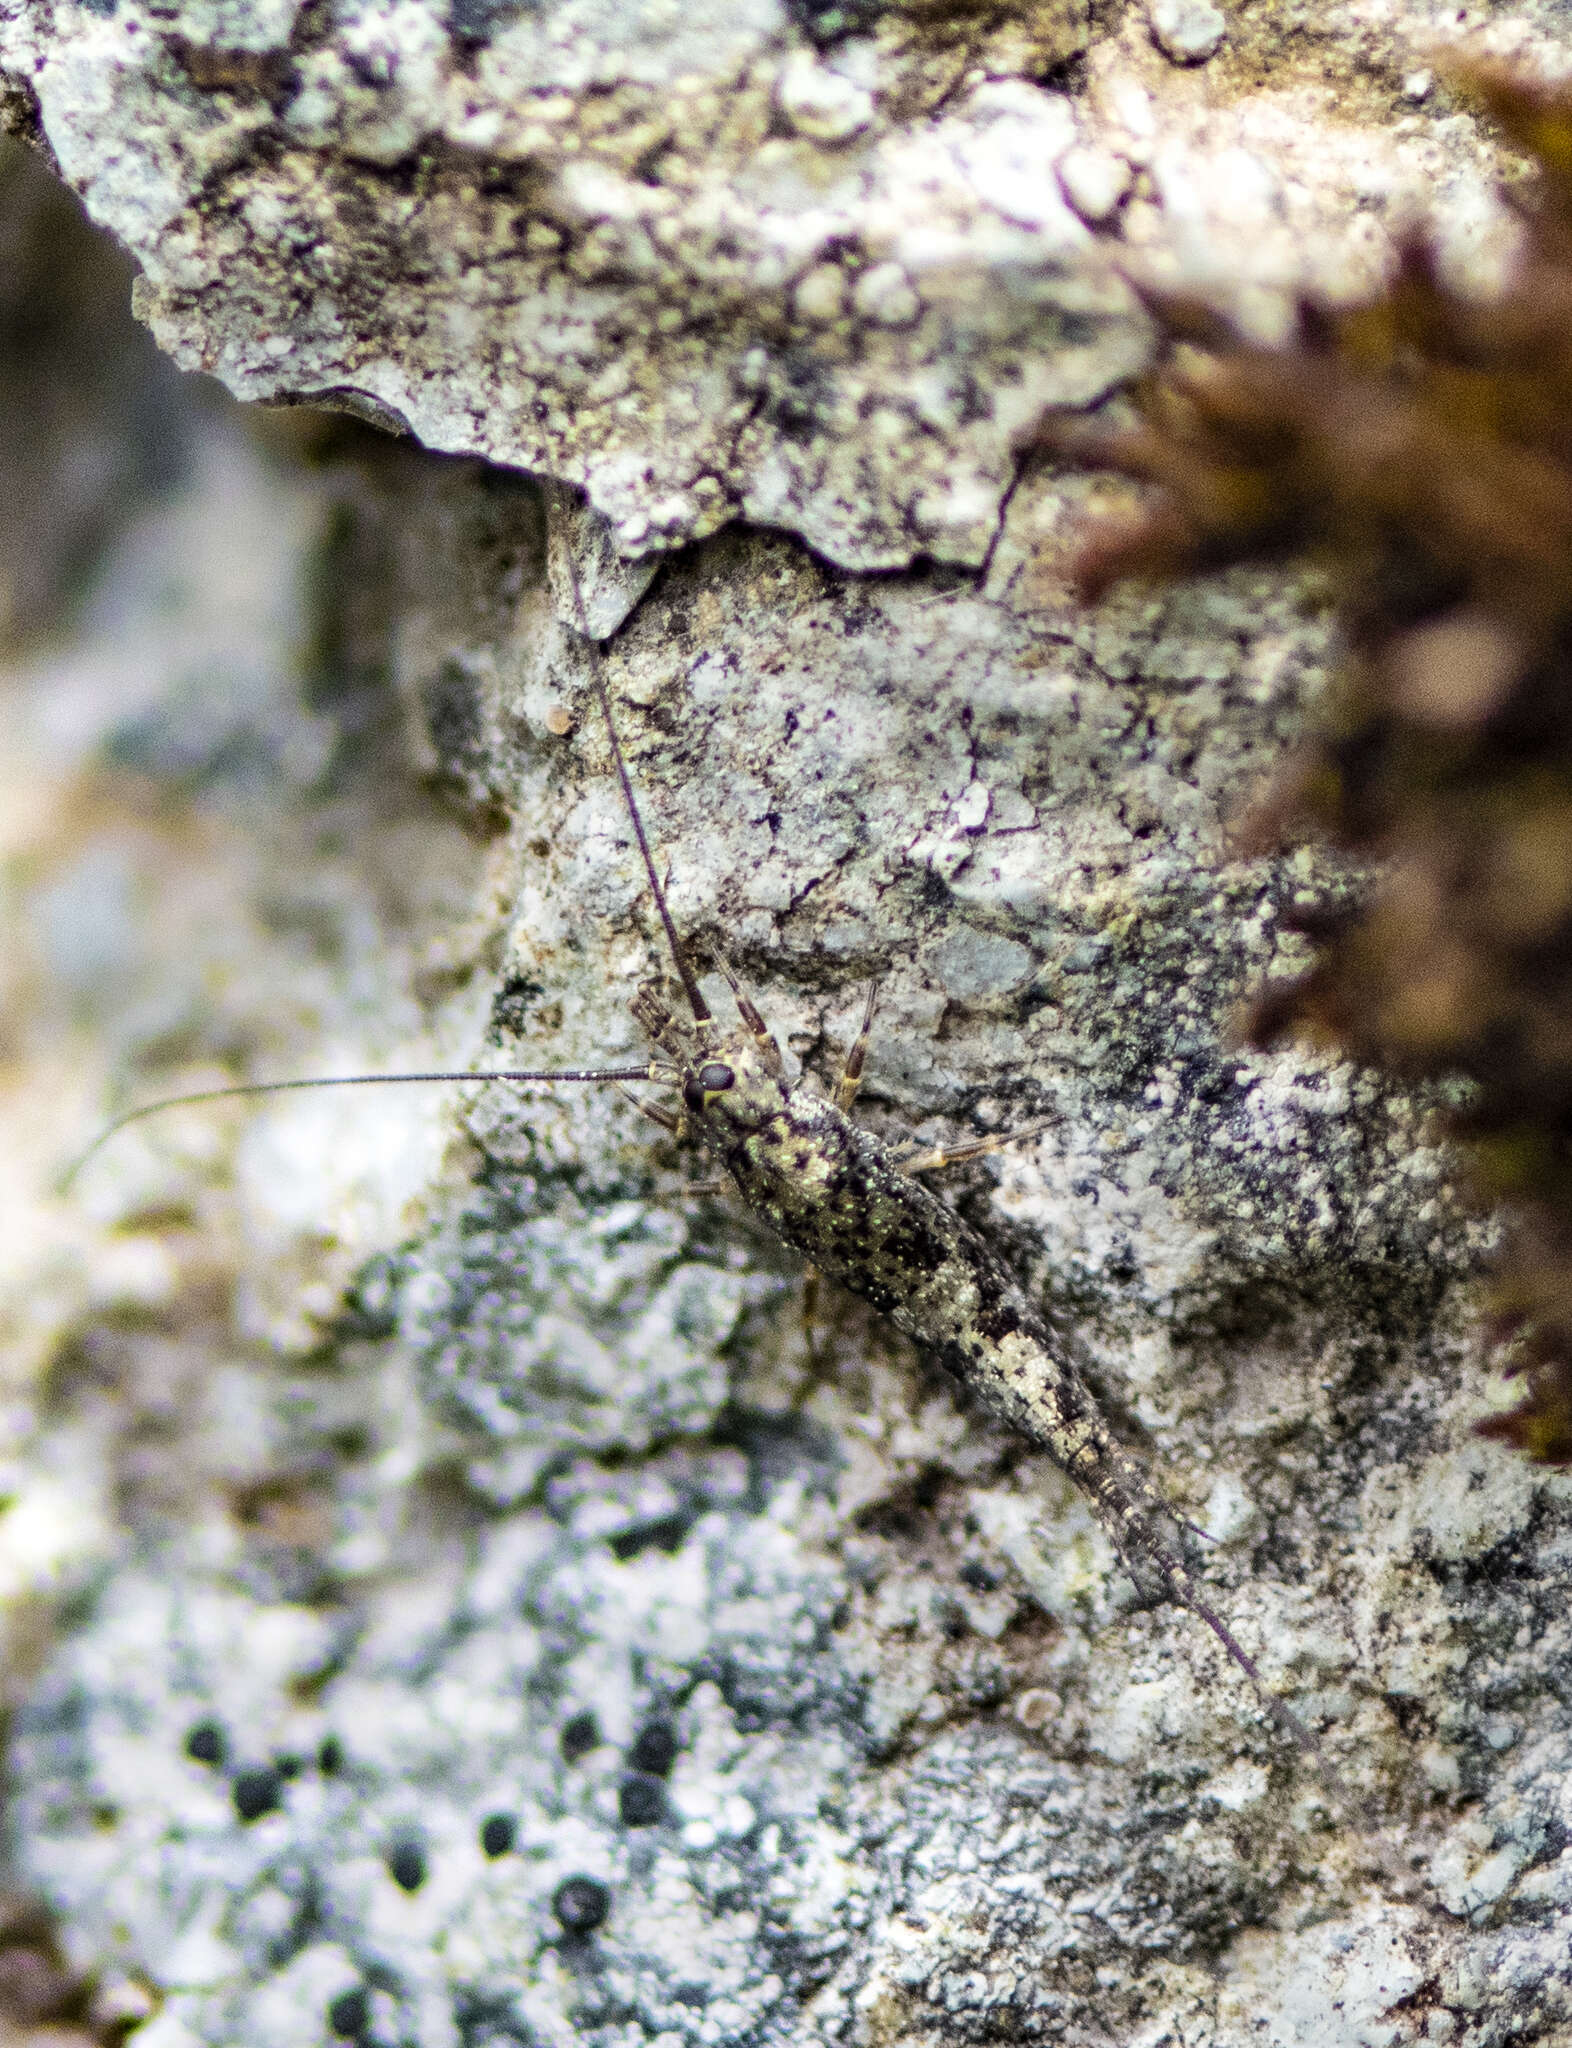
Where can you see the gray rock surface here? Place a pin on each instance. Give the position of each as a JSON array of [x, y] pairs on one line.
[[697, 261], [372, 1444]]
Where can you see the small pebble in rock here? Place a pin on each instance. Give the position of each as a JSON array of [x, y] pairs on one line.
[[256, 1793], [655, 1750], [1416, 86], [407, 1866], [579, 1736], [1186, 31], [496, 1833], [205, 1743], [349, 2015], [822, 104], [884, 295], [1037, 1707], [641, 1800], [1095, 182], [821, 294], [581, 1904], [558, 720]]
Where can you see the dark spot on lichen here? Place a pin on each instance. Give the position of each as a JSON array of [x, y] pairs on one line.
[[579, 1736], [497, 1833], [349, 2015], [581, 1904], [655, 1749], [641, 1800], [256, 1793], [206, 1743]]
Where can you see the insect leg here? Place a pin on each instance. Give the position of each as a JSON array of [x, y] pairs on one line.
[[666, 1118], [845, 1094], [753, 1023], [679, 953], [851, 1074], [974, 1148]]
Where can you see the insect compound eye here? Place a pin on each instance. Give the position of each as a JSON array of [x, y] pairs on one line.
[[712, 1079]]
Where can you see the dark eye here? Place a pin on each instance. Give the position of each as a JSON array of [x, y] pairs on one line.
[[713, 1078]]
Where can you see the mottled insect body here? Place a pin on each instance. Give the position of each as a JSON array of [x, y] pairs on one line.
[[855, 1210], [846, 1200], [842, 1197]]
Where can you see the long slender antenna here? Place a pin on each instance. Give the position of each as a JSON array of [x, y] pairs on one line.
[[696, 1003], [647, 1072]]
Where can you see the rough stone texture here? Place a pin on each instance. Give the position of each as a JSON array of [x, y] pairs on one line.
[[1188, 31], [559, 1449], [376, 1440], [686, 257]]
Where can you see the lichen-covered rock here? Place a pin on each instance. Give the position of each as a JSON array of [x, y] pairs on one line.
[[795, 1702], [1415, 441], [699, 261], [481, 1613]]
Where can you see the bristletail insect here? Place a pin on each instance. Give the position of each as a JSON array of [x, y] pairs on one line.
[[852, 1206]]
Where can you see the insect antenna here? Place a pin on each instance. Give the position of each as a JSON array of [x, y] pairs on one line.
[[690, 985], [650, 1071]]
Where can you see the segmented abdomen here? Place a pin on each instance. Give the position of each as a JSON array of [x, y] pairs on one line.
[[835, 1193]]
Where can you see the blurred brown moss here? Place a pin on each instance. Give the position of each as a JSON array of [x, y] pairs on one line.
[[1419, 445]]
